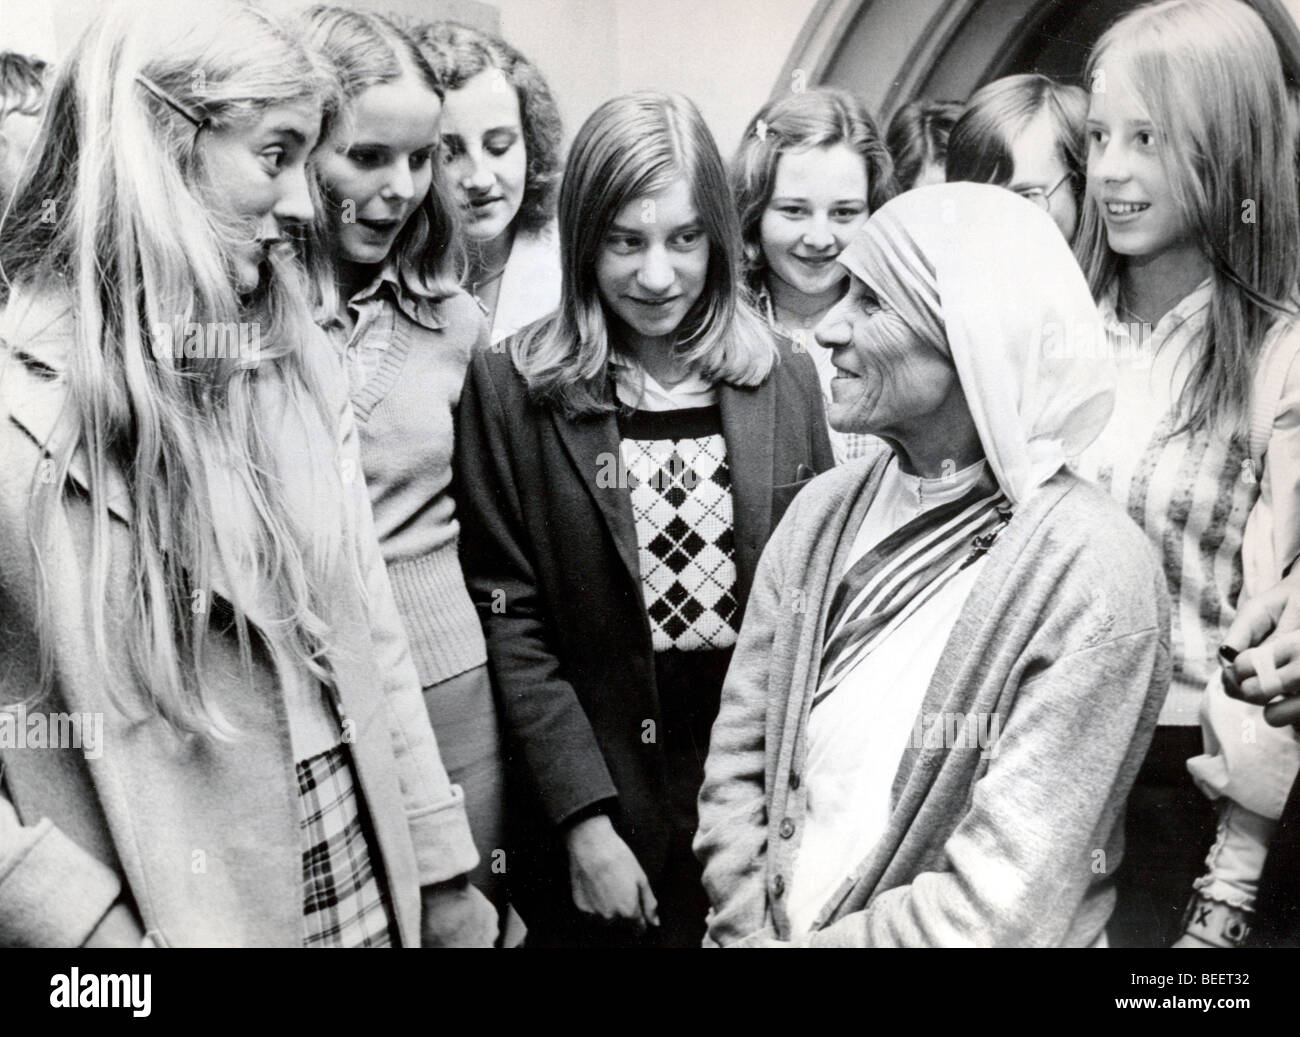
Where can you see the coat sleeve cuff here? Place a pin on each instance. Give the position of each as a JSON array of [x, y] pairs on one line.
[[444, 848], [52, 892]]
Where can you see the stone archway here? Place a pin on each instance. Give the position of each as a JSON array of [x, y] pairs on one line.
[[891, 51]]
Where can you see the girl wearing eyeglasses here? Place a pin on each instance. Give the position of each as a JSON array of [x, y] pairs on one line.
[[1025, 133]]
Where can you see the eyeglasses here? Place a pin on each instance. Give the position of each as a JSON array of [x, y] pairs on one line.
[[1042, 197]]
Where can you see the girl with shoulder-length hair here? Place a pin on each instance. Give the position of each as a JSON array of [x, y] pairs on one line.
[[384, 255], [1190, 239], [188, 560], [1025, 133], [635, 149], [368, 50], [502, 149], [810, 169], [622, 465]]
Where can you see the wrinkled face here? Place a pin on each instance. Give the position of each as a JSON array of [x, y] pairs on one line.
[[17, 132], [653, 264], [819, 200], [483, 147], [1040, 175], [887, 378], [1127, 180], [256, 173], [378, 166]]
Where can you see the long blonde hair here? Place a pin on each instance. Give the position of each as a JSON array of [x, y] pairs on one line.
[[1211, 77], [630, 147], [365, 50], [142, 253]]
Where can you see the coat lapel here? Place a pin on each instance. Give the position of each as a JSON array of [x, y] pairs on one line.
[[748, 426], [40, 332], [593, 447], [38, 412]]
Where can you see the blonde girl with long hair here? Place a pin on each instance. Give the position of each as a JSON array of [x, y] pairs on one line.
[[189, 561], [1190, 238], [384, 262]]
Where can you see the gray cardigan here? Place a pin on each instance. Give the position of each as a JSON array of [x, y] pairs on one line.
[[1064, 639]]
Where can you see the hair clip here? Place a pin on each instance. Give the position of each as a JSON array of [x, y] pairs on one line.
[[760, 130], [183, 110]]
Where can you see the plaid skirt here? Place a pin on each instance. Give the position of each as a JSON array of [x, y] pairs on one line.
[[345, 903]]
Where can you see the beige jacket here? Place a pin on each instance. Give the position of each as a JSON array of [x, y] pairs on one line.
[[203, 836]]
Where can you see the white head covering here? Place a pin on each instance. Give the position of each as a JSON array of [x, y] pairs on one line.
[[988, 279]]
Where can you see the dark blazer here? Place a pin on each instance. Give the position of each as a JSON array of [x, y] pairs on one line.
[[549, 550]]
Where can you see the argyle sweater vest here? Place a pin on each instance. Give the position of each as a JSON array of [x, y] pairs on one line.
[[676, 471]]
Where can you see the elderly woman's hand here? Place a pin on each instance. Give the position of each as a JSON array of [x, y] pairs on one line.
[[1266, 634]]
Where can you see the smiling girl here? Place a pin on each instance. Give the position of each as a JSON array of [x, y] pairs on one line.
[[405, 331], [624, 462], [810, 169], [183, 551], [1189, 239]]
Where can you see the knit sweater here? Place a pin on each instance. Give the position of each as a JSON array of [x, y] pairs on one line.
[[1063, 639], [417, 353], [680, 484]]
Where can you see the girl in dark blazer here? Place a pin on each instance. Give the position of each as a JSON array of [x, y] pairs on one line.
[[622, 464]]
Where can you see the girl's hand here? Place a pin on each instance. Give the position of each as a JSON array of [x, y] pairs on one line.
[[455, 914], [606, 880], [1266, 633]]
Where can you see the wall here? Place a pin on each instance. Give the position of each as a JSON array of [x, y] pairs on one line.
[[724, 54]]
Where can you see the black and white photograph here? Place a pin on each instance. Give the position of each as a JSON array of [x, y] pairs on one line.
[[616, 475]]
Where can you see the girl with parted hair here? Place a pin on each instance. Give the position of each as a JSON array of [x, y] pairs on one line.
[[188, 551], [917, 139], [1025, 133], [501, 145], [1190, 238], [384, 263], [810, 169], [622, 465]]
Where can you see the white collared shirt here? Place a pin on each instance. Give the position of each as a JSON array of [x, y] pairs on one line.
[[856, 737]]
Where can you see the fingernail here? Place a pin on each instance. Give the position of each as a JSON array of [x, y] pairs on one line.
[[1227, 654]]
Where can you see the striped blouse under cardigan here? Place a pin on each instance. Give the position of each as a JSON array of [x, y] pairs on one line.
[[1190, 492]]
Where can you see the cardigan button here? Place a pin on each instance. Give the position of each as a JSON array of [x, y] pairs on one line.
[[794, 779], [787, 828], [778, 886]]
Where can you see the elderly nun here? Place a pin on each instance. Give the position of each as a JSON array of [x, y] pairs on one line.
[[955, 649]]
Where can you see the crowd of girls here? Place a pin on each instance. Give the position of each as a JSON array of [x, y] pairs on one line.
[[596, 548]]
